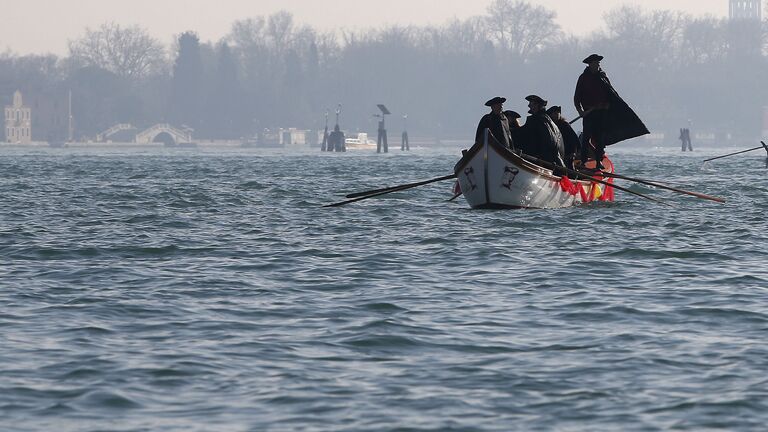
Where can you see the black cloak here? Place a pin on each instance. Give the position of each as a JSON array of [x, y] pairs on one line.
[[621, 121]]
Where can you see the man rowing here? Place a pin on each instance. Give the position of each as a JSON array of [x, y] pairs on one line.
[[570, 139], [540, 137], [496, 121]]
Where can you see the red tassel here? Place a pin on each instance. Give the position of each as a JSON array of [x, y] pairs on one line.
[[567, 185]]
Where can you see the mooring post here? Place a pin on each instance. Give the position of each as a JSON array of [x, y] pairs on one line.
[[404, 145]]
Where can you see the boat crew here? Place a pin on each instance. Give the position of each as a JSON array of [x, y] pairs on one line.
[[607, 118], [571, 141], [540, 137], [496, 121]]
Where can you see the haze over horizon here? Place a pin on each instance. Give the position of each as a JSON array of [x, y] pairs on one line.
[[45, 26]]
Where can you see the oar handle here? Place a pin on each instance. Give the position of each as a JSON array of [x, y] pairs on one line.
[[584, 114]]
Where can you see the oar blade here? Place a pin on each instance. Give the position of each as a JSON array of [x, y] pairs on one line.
[[670, 188], [732, 154], [407, 185]]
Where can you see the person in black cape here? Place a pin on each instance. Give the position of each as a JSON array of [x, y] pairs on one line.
[[513, 118], [496, 121], [571, 141], [540, 136], [607, 118]]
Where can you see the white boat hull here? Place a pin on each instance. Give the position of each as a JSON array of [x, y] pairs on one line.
[[491, 176]]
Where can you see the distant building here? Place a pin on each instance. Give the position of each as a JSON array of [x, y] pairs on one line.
[[745, 34], [18, 121], [745, 9]]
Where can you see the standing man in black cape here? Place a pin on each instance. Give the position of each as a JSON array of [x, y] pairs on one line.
[[496, 121], [607, 118]]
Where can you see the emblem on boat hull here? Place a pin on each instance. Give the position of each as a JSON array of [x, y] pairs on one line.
[[470, 173], [509, 176]]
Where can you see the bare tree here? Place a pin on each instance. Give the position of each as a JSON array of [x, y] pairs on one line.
[[125, 51], [280, 30], [653, 37], [520, 27], [247, 33], [705, 40]]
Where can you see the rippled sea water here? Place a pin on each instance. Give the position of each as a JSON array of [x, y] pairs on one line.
[[201, 290]]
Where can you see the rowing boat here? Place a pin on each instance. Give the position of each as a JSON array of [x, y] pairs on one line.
[[491, 176]]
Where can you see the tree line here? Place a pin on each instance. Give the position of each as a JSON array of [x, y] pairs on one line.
[[675, 69]]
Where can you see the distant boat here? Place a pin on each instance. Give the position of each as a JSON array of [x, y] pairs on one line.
[[362, 142], [492, 176]]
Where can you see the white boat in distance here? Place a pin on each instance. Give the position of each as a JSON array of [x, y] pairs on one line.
[[362, 142], [493, 177]]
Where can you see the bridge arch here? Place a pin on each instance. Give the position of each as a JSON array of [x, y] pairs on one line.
[[165, 133], [165, 138]]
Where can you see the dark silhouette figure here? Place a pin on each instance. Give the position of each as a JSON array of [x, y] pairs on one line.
[[540, 137], [496, 121], [513, 118], [571, 141], [607, 118]]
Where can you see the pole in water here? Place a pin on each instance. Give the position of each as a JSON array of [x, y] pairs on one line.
[[381, 141], [323, 147], [404, 144]]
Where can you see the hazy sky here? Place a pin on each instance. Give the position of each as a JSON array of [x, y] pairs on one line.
[[41, 26]]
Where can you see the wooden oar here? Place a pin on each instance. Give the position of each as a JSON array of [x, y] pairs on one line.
[[590, 178], [581, 116], [390, 190], [731, 154], [662, 186], [407, 185]]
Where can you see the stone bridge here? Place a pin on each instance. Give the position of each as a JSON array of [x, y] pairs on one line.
[[165, 133], [107, 134]]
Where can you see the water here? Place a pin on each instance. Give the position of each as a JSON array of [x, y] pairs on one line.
[[194, 291]]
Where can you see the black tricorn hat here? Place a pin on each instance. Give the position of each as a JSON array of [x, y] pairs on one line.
[[554, 109], [592, 58], [496, 100], [513, 114], [534, 98]]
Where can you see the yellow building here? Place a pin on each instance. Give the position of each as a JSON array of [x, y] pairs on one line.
[[18, 122]]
